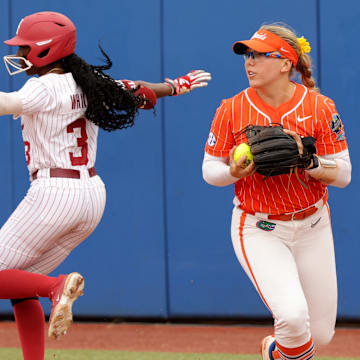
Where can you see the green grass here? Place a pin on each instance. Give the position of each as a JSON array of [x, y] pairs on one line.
[[15, 354]]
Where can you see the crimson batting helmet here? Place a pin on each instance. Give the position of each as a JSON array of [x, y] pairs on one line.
[[50, 36]]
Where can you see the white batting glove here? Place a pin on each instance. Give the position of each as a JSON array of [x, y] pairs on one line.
[[192, 80]]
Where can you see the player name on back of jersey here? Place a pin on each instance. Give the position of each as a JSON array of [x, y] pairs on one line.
[[78, 101]]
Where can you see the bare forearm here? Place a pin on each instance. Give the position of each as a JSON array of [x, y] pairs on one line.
[[179, 86], [160, 89]]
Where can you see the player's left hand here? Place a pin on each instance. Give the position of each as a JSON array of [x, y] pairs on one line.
[[297, 138], [192, 80]]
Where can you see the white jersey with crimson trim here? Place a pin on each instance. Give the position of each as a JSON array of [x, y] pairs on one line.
[[55, 132]]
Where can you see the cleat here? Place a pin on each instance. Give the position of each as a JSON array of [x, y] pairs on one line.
[[267, 347], [63, 297]]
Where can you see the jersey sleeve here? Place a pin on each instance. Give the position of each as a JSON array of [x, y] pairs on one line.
[[35, 97], [330, 131], [221, 140]]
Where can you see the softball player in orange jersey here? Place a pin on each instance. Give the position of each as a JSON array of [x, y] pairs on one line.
[[281, 230], [61, 111]]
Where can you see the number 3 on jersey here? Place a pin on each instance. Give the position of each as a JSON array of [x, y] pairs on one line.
[[27, 149], [81, 142]]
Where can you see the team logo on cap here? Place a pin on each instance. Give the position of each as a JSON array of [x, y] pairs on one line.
[[259, 35], [283, 50]]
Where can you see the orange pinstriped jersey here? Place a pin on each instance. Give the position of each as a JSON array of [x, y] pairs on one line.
[[308, 113]]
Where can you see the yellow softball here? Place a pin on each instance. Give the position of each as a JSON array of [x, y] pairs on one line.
[[240, 151]]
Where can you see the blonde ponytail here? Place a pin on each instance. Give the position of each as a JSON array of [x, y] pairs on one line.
[[302, 47]]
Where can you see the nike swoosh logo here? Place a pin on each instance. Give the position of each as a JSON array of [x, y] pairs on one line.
[[282, 49], [300, 119], [58, 298], [313, 224]]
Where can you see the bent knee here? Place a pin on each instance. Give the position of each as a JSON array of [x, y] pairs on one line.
[[292, 326], [295, 322], [322, 335]]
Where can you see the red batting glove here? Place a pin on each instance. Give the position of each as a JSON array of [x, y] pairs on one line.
[[147, 95], [127, 84], [189, 82]]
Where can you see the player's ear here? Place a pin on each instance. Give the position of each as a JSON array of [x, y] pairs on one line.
[[286, 66]]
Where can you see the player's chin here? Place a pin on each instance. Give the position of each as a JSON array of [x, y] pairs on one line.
[[254, 83], [30, 72]]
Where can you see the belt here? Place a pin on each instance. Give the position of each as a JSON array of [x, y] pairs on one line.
[[65, 173], [298, 215]]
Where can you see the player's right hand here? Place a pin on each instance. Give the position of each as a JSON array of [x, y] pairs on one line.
[[192, 80], [236, 167]]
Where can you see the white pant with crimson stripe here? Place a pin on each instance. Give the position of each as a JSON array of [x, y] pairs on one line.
[[55, 216], [293, 269]]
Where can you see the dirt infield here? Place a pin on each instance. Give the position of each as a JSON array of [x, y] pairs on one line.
[[177, 338]]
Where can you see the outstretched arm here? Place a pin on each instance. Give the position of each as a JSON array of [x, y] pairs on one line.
[[160, 89], [150, 92], [10, 103], [179, 86]]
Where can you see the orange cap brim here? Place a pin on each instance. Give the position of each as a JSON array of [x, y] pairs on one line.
[[240, 47], [266, 41]]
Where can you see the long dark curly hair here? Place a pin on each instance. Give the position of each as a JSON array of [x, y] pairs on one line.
[[110, 106]]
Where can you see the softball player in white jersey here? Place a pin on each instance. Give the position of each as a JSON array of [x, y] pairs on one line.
[[61, 111]]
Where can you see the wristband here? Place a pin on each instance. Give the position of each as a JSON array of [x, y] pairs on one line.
[[172, 87], [315, 164], [327, 163], [321, 163]]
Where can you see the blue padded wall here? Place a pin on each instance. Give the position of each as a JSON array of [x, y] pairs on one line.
[[6, 145], [205, 278], [340, 76], [163, 248]]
